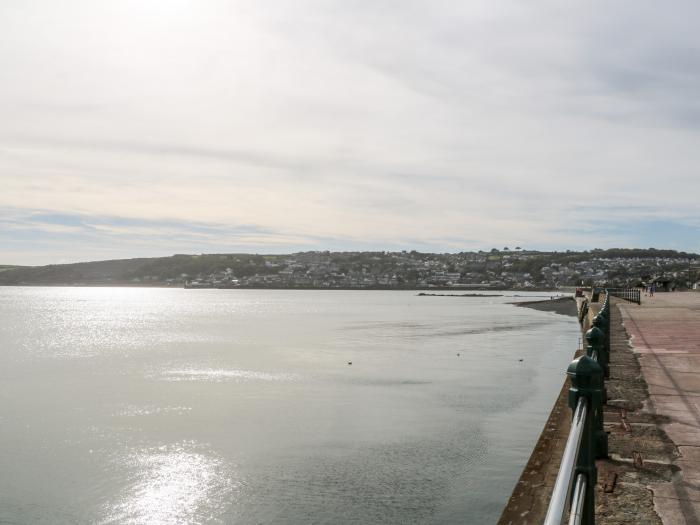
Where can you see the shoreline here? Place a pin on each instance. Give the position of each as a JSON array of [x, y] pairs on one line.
[[560, 305], [368, 288], [529, 500]]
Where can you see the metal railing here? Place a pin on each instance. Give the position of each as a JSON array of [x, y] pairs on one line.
[[574, 488], [632, 295], [577, 504], [558, 505]]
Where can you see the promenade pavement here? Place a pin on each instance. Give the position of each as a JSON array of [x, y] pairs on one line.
[[665, 333]]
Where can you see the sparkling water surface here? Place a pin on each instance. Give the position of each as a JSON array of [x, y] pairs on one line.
[[160, 406]]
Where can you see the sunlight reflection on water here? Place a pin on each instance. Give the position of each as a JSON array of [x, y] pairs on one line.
[[239, 406], [212, 374], [134, 410], [177, 483]]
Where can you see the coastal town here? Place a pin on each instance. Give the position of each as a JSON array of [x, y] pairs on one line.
[[504, 268], [497, 269]]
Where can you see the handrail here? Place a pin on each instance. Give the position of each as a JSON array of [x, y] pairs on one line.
[[574, 488], [578, 500], [562, 486]]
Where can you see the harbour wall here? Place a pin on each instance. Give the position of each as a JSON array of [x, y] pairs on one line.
[[530, 497]]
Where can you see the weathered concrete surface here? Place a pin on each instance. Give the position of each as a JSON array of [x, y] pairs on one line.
[[665, 333], [640, 452]]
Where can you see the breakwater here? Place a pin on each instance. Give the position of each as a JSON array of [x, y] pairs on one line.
[[638, 449]]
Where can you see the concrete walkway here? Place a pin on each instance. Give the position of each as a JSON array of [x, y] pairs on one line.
[[665, 332]]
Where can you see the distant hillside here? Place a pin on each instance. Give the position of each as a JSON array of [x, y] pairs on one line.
[[131, 271], [519, 269], [79, 273]]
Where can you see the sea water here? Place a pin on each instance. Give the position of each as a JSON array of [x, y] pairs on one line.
[[169, 406]]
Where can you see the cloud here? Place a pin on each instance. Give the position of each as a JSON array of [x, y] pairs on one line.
[[333, 124], [262, 159]]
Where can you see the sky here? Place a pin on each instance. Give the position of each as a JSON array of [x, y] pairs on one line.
[[134, 128]]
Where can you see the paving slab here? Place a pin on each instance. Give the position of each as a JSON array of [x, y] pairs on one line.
[[673, 510], [689, 453], [679, 490], [691, 470]]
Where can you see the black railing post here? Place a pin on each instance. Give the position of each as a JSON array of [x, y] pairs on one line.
[[596, 343], [596, 346], [586, 381]]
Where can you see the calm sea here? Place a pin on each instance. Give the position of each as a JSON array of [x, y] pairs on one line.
[[160, 406]]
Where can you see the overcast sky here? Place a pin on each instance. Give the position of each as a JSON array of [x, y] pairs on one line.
[[152, 127]]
